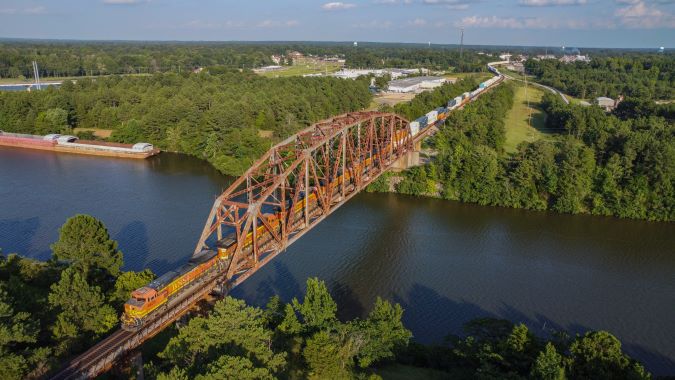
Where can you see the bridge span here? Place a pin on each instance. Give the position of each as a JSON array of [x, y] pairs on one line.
[[283, 195]]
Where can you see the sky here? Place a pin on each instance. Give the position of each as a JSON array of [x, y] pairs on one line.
[[578, 23]]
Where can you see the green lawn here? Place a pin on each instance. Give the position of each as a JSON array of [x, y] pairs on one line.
[[479, 76], [302, 69], [517, 127]]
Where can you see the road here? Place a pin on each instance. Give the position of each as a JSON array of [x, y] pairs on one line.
[[553, 90]]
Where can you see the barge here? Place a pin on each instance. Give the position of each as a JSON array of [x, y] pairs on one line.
[[71, 144]]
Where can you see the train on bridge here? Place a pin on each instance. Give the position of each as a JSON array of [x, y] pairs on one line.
[[151, 300]]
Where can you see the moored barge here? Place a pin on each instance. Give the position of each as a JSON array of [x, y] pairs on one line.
[[71, 144]]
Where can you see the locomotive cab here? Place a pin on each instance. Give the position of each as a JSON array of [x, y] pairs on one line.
[[140, 298]]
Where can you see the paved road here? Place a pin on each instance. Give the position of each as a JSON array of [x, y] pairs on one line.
[[553, 90]]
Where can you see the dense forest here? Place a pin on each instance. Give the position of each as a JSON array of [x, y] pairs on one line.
[[601, 164], [50, 311], [67, 58], [216, 116], [647, 76]]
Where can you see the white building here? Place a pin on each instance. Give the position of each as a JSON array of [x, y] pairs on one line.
[[415, 84]]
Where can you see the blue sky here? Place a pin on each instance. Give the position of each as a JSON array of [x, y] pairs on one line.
[[583, 23]]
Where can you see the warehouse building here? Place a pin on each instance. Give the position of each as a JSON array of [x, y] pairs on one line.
[[415, 84]]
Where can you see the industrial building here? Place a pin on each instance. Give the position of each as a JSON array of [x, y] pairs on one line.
[[415, 84]]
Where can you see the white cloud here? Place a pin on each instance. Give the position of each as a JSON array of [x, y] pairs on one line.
[[277, 24], [336, 6], [124, 2], [418, 22], [640, 15], [392, 2], [201, 24], [26, 11], [35, 10], [458, 5], [374, 24], [551, 3], [532, 23]]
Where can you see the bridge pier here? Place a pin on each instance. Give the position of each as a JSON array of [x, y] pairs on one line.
[[137, 365], [408, 160]]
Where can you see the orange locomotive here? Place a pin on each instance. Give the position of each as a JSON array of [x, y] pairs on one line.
[[146, 300]]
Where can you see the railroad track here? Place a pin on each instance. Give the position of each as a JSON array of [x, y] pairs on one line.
[[77, 368]]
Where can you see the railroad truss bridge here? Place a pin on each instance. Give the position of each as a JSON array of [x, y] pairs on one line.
[[283, 195]]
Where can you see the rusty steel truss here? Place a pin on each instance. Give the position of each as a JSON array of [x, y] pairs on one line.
[[300, 181]]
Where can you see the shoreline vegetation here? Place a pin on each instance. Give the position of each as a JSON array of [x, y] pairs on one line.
[[620, 164], [56, 309]]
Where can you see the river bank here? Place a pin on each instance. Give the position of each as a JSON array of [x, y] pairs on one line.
[[445, 262]]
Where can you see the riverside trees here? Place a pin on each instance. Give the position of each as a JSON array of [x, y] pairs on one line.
[[598, 164], [298, 339], [215, 117], [52, 310], [646, 76]]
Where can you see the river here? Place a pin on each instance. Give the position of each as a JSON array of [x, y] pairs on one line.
[[445, 262]]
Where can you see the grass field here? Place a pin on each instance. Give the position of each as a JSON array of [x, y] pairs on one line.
[[302, 69], [517, 127], [98, 132], [479, 76]]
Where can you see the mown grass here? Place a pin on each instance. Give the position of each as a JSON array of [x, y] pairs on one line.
[[525, 123], [303, 69]]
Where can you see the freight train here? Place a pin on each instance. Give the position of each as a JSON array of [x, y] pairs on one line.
[[440, 114], [148, 301]]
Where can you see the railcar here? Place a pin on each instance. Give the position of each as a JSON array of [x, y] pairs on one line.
[[146, 301]]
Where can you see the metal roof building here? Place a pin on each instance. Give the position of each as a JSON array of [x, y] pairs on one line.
[[415, 83]]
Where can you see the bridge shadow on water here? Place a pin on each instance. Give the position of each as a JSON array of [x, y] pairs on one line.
[[277, 281], [133, 242], [281, 282], [432, 317], [17, 236]]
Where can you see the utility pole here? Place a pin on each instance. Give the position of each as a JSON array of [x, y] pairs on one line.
[[36, 75], [527, 99], [461, 43]]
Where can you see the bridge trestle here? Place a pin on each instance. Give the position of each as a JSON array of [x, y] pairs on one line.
[[298, 182]]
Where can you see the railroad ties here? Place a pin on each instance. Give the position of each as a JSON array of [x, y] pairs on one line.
[[287, 192]]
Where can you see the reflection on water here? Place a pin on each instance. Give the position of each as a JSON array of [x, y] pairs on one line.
[[445, 262]]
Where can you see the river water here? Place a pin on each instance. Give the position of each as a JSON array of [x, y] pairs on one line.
[[445, 262]]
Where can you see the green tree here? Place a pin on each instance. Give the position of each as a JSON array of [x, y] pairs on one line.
[[598, 355], [382, 332], [85, 243], [54, 120], [290, 325], [330, 355], [15, 329], [232, 329], [317, 308], [548, 365], [79, 307], [130, 281], [235, 367]]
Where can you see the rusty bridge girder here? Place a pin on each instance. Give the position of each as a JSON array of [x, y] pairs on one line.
[[300, 181]]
